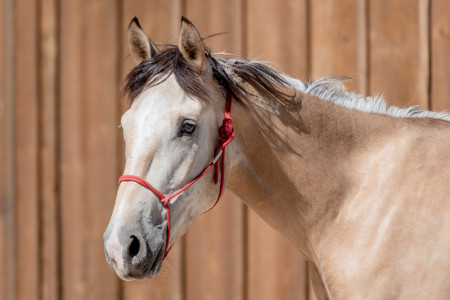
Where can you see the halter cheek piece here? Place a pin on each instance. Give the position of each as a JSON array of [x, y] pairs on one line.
[[226, 134]]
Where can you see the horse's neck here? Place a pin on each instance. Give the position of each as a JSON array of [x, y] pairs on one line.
[[294, 167]]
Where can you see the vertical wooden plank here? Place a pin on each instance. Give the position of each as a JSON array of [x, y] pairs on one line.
[[101, 84], [424, 59], [338, 46], [26, 151], [215, 16], [440, 55], [89, 118], [49, 251], [338, 39], [279, 34], [399, 51], [333, 39], [362, 47], [71, 170], [215, 253], [7, 249], [214, 243], [3, 155], [100, 128], [161, 21]]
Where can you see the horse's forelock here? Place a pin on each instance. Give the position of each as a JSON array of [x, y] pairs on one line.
[[237, 77]]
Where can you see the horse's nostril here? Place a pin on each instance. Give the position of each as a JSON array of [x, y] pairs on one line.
[[134, 247]]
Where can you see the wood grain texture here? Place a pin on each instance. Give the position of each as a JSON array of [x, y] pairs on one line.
[[362, 50], [339, 50], [214, 243], [7, 182], [440, 55], [48, 156], [3, 156], [278, 34], [100, 114], [333, 48], [71, 167], [215, 252], [61, 66], [214, 17], [398, 54], [161, 22], [338, 39], [89, 116], [27, 279]]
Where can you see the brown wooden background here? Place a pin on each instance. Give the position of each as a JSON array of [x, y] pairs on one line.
[[61, 67]]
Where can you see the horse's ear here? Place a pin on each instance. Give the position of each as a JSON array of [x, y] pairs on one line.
[[141, 47], [190, 43]]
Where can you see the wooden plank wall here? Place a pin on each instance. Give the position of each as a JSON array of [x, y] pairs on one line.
[[275, 270], [61, 68]]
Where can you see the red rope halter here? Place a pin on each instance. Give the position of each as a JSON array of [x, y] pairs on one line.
[[226, 134]]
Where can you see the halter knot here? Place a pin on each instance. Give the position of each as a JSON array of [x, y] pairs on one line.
[[165, 201], [225, 130], [226, 135]]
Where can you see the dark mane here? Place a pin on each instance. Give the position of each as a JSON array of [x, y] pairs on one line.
[[238, 77]]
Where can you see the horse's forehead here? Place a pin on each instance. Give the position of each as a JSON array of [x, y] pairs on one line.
[[165, 101]]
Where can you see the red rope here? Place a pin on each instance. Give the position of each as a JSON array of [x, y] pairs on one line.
[[226, 134]]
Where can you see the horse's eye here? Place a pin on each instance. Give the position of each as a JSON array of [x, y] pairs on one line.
[[188, 127]]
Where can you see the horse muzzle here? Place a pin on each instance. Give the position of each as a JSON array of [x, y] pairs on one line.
[[133, 255]]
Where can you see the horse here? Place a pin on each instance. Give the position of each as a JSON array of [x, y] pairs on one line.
[[360, 188]]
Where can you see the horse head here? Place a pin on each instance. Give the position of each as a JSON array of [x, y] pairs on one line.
[[171, 134]]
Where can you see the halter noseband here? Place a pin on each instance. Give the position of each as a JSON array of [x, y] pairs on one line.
[[226, 134]]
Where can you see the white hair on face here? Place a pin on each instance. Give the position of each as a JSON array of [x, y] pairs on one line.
[[332, 89]]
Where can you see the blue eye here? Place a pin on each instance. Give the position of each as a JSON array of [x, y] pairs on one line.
[[188, 127]]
